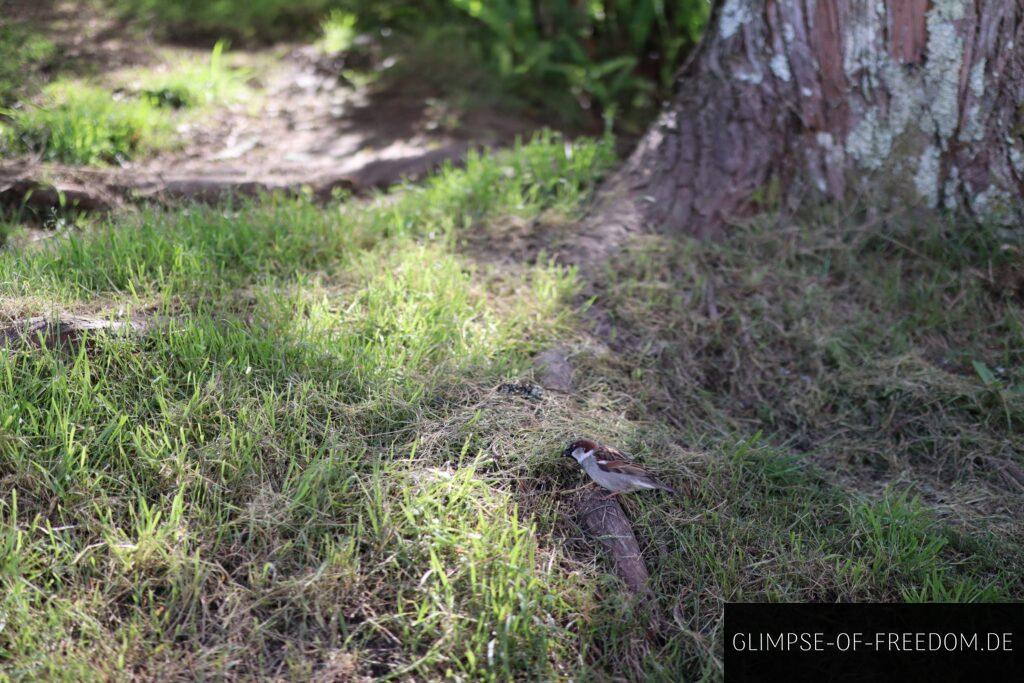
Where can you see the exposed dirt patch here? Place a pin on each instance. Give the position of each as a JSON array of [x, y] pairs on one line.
[[314, 127]]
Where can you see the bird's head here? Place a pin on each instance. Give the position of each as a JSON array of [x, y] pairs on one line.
[[579, 449]]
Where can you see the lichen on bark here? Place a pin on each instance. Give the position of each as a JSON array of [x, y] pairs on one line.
[[910, 100], [910, 114], [942, 69], [735, 13]]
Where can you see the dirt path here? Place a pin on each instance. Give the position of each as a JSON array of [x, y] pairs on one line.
[[313, 128], [309, 128]]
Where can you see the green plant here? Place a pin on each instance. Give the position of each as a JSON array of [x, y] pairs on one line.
[[611, 58], [338, 31], [79, 122]]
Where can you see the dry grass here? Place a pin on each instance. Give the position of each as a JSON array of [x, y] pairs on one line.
[[884, 363]]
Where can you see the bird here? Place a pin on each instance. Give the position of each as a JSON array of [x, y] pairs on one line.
[[611, 470]]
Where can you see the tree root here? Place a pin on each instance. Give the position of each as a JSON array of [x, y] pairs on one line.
[[45, 187], [605, 520], [62, 332], [614, 218]]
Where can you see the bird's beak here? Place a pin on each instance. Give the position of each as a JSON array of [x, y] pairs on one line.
[[568, 451]]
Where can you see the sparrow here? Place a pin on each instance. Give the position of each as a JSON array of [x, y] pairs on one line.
[[610, 469]]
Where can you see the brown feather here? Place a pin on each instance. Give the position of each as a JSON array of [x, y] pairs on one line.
[[623, 467], [608, 453]]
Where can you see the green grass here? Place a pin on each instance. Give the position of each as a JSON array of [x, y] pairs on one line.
[[80, 122], [22, 52], [189, 82], [853, 342], [303, 467], [277, 419], [253, 20]]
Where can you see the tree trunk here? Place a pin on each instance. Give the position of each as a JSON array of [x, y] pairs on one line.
[[910, 101]]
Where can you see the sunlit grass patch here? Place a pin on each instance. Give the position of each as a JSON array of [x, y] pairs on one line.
[[128, 115], [422, 313], [241, 481], [483, 607], [211, 249], [190, 82], [208, 455], [80, 123]]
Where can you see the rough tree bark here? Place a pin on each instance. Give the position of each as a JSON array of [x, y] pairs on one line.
[[913, 101]]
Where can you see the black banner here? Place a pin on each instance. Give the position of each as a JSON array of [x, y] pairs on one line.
[[873, 642]]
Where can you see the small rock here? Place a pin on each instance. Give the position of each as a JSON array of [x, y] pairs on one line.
[[554, 370]]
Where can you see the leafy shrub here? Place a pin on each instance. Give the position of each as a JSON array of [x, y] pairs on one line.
[[611, 54], [612, 58]]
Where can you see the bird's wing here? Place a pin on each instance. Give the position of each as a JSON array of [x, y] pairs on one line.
[[623, 467], [610, 454], [630, 469]]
